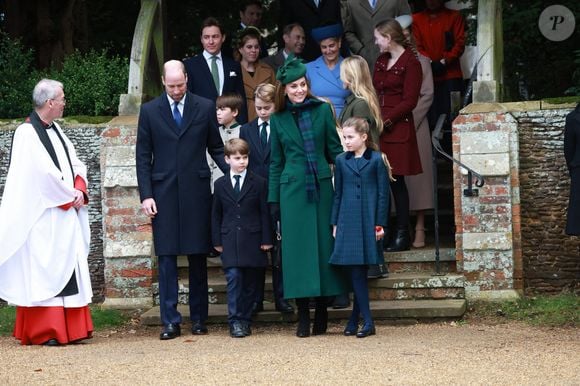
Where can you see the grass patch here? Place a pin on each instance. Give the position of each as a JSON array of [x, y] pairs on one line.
[[551, 311], [93, 120], [102, 318]]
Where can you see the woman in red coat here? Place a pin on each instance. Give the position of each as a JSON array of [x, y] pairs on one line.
[[397, 78]]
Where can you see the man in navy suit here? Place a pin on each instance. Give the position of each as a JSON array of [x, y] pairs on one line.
[[210, 74], [174, 132]]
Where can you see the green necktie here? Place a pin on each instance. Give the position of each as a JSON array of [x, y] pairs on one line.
[[215, 73]]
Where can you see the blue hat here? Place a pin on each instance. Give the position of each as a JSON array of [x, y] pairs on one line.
[[327, 31], [292, 69]]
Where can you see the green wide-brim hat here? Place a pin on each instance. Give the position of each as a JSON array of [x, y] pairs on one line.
[[292, 69]]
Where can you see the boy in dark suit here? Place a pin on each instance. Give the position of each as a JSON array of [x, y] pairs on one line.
[[256, 133], [241, 232]]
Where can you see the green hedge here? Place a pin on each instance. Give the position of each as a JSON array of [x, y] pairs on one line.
[[93, 81]]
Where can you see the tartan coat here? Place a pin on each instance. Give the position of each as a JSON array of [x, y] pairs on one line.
[[361, 201], [307, 240]]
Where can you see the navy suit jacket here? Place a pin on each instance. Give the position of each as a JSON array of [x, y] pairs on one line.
[[200, 81], [172, 168], [241, 223], [259, 159]]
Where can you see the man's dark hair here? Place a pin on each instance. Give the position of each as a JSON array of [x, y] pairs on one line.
[[245, 4], [211, 22]]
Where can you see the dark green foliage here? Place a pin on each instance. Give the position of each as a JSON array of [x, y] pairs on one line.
[[93, 82], [17, 78], [535, 67]]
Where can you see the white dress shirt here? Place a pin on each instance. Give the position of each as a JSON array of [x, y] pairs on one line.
[[242, 178]]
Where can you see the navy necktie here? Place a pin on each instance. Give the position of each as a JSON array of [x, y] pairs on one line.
[[176, 114], [264, 134], [237, 185]]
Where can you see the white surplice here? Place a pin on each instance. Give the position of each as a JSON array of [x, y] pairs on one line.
[[41, 244]]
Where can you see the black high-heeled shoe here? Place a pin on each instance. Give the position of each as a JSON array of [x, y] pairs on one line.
[[367, 330], [303, 329], [401, 241]]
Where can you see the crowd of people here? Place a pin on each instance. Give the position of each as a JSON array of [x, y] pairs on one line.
[[308, 144]]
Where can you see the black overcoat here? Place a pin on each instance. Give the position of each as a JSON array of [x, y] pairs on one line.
[[259, 157], [572, 155], [172, 168], [241, 223]]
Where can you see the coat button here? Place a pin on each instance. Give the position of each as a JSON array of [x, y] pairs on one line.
[[239, 228], [238, 216]]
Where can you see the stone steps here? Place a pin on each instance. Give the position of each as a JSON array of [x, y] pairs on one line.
[[398, 286], [413, 310]]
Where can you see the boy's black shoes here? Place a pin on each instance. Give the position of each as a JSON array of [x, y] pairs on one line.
[[170, 331]]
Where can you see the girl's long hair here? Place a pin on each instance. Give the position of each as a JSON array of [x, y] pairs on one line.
[[355, 73]]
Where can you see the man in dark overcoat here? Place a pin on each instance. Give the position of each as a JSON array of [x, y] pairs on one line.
[[174, 132]]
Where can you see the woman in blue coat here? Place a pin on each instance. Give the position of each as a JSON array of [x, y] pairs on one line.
[[323, 73], [359, 214]]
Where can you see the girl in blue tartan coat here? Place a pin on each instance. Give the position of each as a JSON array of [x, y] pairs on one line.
[[359, 215]]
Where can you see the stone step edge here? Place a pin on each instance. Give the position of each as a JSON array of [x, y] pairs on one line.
[[381, 309], [418, 255], [405, 280]]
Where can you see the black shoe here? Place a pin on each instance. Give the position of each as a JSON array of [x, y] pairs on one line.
[[198, 328], [246, 328], [351, 329], [170, 331], [401, 241], [376, 271], [236, 330], [284, 307], [303, 330], [341, 301], [51, 343], [257, 307], [367, 330]]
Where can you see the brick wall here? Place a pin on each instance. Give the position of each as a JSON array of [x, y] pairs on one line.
[[87, 139]]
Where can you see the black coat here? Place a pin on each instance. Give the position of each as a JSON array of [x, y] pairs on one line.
[[259, 159], [200, 81], [241, 223], [172, 168], [572, 155]]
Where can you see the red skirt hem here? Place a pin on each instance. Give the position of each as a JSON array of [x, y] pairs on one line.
[[36, 325]]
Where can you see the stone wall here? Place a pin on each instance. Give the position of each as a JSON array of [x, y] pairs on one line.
[[87, 140], [551, 258], [510, 238]]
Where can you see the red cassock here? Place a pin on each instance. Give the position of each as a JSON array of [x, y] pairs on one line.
[[398, 92]]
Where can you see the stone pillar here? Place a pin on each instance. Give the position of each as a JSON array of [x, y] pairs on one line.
[[127, 245], [488, 235], [487, 88]]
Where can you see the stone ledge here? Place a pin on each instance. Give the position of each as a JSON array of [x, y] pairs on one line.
[[396, 309], [127, 303], [124, 120], [492, 296], [481, 108]]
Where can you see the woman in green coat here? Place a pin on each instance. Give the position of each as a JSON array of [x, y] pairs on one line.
[[304, 142]]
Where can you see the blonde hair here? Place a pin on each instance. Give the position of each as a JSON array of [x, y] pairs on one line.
[[265, 92], [361, 126], [355, 73]]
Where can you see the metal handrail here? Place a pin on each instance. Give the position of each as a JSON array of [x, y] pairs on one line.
[[469, 192]]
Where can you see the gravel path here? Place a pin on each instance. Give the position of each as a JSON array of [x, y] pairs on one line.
[[445, 353]]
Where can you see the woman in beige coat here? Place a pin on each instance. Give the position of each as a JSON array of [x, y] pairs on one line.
[[420, 186]]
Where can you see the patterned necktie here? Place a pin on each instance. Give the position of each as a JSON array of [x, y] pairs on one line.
[[237, 185], [215, 73], [264, 134], [176, 114], [373, 3]]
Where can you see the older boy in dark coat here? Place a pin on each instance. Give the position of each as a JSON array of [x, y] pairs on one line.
[[241, 231]]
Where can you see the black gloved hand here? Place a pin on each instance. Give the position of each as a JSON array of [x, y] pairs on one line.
[[438, 68], [274, 211]]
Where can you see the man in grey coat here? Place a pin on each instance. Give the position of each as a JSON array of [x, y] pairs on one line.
[[359, 18]]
